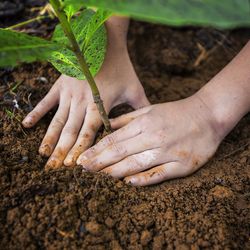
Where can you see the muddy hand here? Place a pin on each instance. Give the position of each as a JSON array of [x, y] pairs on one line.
[[170, 140], [77, 120], [156, 143]]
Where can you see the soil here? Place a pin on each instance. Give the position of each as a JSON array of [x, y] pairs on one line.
[[69, 209]]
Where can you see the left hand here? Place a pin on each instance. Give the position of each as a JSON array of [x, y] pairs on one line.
[[156, 143], [77, 120]]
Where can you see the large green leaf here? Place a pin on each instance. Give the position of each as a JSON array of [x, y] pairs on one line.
[[94, 24], [92, 38], [19, 47], [218, 13]]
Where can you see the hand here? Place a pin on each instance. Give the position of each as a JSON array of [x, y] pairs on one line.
[[156, 143], [77, 120]]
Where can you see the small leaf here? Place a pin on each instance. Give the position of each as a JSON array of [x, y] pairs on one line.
[[16, 47], [94, 51], [218, 13], [71, 9]]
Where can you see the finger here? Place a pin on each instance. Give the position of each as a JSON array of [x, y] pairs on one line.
[[123, 120], [55, 128], [86, 137], [43, 107], [158, 174], [129, 131], [68, 136], [135, 163], [117, 152]]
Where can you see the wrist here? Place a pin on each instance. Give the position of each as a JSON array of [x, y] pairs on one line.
[[117, 28], [227, 94], [217, 119], [226, 107]]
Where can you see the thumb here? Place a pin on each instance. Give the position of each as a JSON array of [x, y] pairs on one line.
[[123, 120], [138, 99]]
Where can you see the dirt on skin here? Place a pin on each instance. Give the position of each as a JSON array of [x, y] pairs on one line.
[[69, 209]]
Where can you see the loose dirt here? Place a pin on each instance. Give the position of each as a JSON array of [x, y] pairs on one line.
[[69, 209]]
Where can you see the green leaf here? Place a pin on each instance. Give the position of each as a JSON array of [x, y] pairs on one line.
[[92, 38], [71, 9], [95, 23], [19, 47], [218, 13]]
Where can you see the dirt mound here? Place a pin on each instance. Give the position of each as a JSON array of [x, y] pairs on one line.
[[69, 209]]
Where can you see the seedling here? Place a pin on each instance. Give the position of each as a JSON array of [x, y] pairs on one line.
[[78, 44], [77, 48]]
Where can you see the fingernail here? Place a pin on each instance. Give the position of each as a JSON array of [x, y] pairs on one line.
[[68, 161], [81, 159], [84, 169], [131, 180], [52, 164], [45, 150], [27, 121]]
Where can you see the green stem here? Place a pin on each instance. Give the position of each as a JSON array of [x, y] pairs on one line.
[[26, 22], [82, 62]]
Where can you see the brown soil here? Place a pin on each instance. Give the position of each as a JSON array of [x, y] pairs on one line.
[[68, 209]]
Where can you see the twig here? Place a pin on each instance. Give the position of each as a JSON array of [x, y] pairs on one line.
[[76, 178], [26, 22], [202, 56], [65, 234], [10, 88], [234, 151], [206, 53]]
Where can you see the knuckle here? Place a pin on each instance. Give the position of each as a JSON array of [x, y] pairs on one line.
[[70, 130], [85, 136], [58, 121], [43, 103], [94, 126], [145, 121], [161, 173], [109, 140], [92, 150], [79, 100], [133, 163], [118, 149], [85, 141], [65, 88], [93, 107]]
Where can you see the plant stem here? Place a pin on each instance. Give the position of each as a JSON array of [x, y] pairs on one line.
[[82, 62]]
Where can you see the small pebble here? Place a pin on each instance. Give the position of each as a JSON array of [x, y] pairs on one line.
[[43, 79], [25, 158], [146, 237], [94, 228]]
